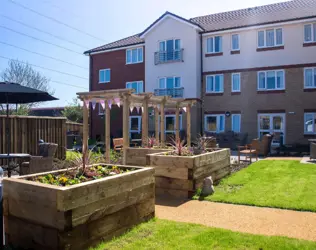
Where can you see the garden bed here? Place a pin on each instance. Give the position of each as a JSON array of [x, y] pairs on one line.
[[45, 216], [137, 156], [181, 176]]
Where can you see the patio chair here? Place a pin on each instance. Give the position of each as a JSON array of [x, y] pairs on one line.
[[313, 151], [41, 163], [249, 150], [118, 144]]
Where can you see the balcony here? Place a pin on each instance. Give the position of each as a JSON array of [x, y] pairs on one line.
[[168, 56], [175, 92]]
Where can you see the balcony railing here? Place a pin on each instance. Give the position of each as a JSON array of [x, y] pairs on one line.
[[176, 92], [168, 56]]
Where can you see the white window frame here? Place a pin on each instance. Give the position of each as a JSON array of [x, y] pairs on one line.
[[165, 82], [174, 44], [265, 38], [266, 72], [313, 78], [239, 75], [232, 49], [312, 33], [282, 130], [233, 115], [214, 52], [217, 123], [137, 61], [139, 124], [180, 123], [214, 76], [136, 90], [101, 70], [313, 125]]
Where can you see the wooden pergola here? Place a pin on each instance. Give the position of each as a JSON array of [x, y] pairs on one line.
[[127, 99]]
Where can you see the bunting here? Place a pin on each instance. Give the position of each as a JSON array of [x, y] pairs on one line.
[[94, 103], [110, 103], [102, 103], [86, 102], [184, 109], [117, 101]]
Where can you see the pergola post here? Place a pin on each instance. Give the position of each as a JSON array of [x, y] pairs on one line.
[[145, 122], [189, 125], [107, 133], [162, 123], [177, 125], [157, 125], [126, 104], [85, 130]]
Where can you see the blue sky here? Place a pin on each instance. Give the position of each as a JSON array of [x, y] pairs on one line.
[[106, 20]]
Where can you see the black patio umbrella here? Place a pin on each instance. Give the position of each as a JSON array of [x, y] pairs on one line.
[[14, 93]]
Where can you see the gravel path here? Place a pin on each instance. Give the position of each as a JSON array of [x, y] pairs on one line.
[[247, 219]]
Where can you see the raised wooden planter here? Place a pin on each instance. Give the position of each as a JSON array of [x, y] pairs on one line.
[[42, 216], [137, 156], [181, 176]]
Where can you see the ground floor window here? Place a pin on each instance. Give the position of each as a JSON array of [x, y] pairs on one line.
[[236, 121], [170, 123], [214, 123], [135, 125], [310, 123], [272, 124]]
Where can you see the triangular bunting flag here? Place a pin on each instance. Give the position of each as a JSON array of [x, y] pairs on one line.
[[137, 108], [94, 103], [117, 101], [131, 108], [110, 103], [102, 103], [184, 109]]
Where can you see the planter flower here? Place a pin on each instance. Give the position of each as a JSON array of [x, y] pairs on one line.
[[75, 209]]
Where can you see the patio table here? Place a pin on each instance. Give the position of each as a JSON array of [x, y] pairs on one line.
[[11, 157]]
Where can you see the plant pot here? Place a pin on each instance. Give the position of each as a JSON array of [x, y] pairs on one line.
[[43, 216], [181, 176]]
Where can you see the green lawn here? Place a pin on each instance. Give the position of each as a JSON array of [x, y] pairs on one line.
[[280, 184], [162, 234]]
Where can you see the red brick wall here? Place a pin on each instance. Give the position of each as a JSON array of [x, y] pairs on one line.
[[120, 74]]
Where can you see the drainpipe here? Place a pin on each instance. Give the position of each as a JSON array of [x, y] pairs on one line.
[[90, 89], [202, 87]]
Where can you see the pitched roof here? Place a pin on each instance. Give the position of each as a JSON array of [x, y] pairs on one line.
[[272, 13]]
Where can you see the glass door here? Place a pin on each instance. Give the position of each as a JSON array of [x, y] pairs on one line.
[[272, 124], [170, 49]]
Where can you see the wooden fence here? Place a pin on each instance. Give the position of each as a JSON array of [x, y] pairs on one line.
[[26, 131], [74, 127]]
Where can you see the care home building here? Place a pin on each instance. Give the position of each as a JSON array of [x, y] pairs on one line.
[[251, 70]]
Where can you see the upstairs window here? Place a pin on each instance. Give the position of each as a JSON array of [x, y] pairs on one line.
[[270, 38], [310, 78], [134, 55], [215, 84], [104, 75], [169, 50], [169, 82], [310, 123], [236, 82], [137, 86], [214, 44], [310, 33], [271, 80], [235, 42]]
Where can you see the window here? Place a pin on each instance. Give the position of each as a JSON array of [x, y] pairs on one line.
[[236, 120], [215, 84], [135, 124], [214, 123], [104, 75], [270, 38], [271, 80], [272, 124], [134, 55], [138, 86], [214, 44], [310, 123], [169, 50], [310, 33], [235, 42], [310, 78], [236, 82], [170, 123], [169, 82]]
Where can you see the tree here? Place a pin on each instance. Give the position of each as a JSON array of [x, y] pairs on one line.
[[23, 73], [74, 112]]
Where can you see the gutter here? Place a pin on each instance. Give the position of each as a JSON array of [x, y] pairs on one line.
[[202, 87]]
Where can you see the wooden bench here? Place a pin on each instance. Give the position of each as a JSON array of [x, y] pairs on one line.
[[118, 144]]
